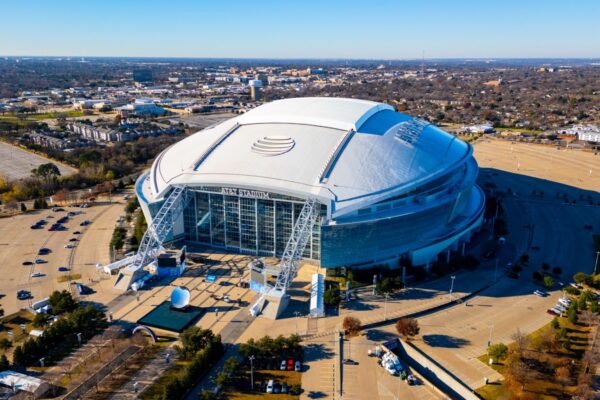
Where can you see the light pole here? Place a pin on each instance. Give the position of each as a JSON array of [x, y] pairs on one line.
[[490, 338], [251, 358], [596, 264], [385, 307], [453, 277], [297, 314]]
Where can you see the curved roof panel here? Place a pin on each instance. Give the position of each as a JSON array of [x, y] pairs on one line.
[[344, 150]]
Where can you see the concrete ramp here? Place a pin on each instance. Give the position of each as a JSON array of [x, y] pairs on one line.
[[128, 276]]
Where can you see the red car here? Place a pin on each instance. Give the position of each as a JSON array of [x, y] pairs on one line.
[[290, 365]]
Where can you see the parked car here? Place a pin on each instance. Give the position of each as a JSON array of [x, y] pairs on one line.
[[540, 293], [290, 365], [285, 388], [270, 386], [277, 388], [63, 269], [565, 301], [40, 261], [85, 223], [23, 294], [349, 361], [298, 366], [35, 226], [37, 275], [69, 246], [27, 263], [43, 251], [282, 365], [73, 240], [76, 233]]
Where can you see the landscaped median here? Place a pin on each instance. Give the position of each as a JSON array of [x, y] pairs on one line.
[[199, 351], [551, 363]]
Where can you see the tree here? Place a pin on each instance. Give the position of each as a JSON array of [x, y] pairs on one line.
[[497, 351], [554, 323], [4, 364], [521, 342], [19, 356], [331, 297], [581, 277], [193, 340], [351, 325], [407, 327], [61, 302], [572, 314], [41, 320], [5, 344], [47, 171], [548, 281]]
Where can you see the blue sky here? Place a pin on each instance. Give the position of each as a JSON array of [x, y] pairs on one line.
[[381, 29]]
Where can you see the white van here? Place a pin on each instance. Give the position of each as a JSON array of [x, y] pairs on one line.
[[270, 386]]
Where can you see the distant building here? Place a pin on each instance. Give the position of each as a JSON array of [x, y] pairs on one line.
[[255, 89], [142, 75], [140, 108], [479, 128], [589, 133]]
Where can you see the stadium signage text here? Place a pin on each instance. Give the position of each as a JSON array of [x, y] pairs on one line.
[[254, 194]]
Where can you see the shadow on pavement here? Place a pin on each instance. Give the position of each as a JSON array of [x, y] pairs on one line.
[[377, 335], [445, 341], [317, 351]]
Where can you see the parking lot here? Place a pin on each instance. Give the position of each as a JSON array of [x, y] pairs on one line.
[[16, 163], [21, 244]]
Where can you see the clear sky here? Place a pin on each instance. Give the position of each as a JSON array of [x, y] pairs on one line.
[[379, 29]]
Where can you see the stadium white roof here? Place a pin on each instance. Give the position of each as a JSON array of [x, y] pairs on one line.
[[345, 151]]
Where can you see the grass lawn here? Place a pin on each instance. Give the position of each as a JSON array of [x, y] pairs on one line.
[[13, 323], [289, 377], [543, 388], [69, 277]]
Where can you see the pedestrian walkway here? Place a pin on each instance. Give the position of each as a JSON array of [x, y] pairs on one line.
[[146, 376], [229, 335]]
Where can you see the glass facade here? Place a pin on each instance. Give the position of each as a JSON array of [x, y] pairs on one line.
[[371, 241], [246, 221]]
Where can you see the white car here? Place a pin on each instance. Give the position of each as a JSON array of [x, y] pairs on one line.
[[282, 365], [270, 386], [539, 293], [564, 301], [36, 274], [69, 246]]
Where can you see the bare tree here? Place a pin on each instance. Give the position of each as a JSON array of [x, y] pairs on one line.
[[351, 325], [407, 327], [521, 342]]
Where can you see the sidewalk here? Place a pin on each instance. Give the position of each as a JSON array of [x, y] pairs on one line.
[[146, 376]]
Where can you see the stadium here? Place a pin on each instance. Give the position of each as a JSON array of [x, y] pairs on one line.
[[373, 185]]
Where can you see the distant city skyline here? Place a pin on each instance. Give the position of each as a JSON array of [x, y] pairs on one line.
[[314, 30]]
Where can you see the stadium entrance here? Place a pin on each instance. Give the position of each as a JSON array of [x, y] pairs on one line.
[[246, 221]]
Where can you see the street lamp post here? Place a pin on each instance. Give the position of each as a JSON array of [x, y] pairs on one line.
[[385, 307], [596, 264], [297, 314], [490, 338], [251, 358], [453, 277]]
